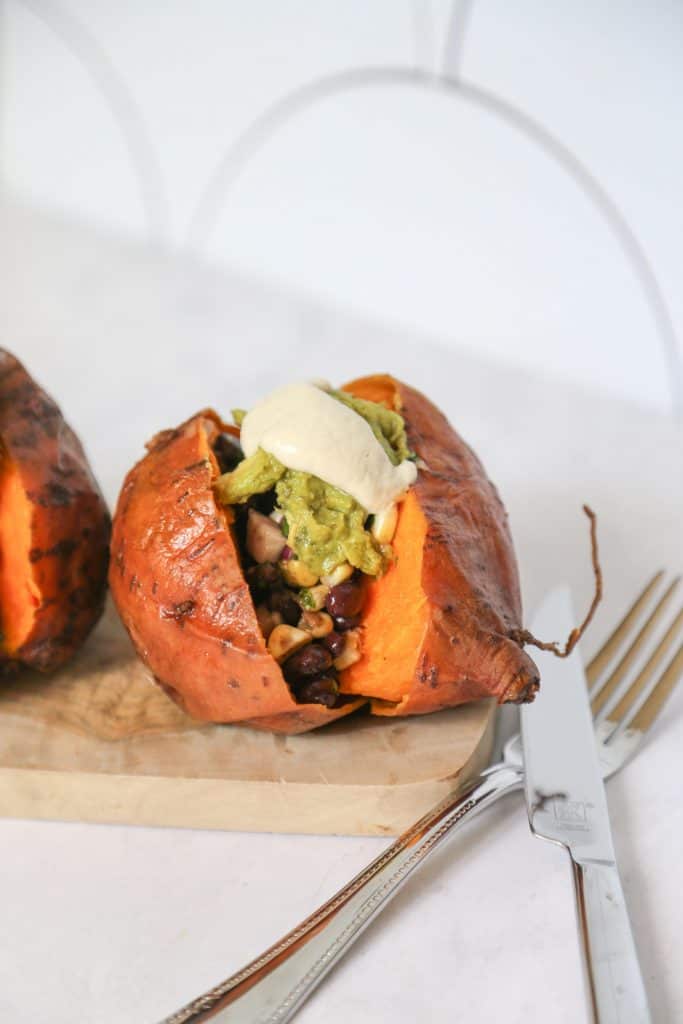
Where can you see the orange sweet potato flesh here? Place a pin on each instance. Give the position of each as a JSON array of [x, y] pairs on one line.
[[54, 529], [437, 626], [177, 581]]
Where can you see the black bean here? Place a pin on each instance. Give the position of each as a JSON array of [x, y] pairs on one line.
[[312, 660], [228, 452], [262, 579], [283, 601], [346, 599], [342, 623], [318, 691], [335, 643]]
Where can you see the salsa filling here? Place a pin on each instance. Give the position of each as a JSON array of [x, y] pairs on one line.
[[307, 550]]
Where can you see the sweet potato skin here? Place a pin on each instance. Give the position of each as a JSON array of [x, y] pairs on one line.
[[177, 581], [469, 571], [69, 521]]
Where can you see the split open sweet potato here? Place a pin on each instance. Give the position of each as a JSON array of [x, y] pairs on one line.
[[54, 529], [441, 626]]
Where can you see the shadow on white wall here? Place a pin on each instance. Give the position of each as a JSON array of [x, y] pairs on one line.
[[443, 211]]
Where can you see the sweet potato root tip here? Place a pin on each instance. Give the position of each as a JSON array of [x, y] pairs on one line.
[[523, 636]]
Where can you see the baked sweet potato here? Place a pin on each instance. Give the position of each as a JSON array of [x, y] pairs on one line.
[[54, 529], [441, 626]]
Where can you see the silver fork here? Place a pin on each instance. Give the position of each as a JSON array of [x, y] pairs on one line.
[[271, 989]]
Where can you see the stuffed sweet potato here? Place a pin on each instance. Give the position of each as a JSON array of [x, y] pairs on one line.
[[258, 592], [54, 529]]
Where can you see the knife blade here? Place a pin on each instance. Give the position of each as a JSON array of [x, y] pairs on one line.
[[566, 804]]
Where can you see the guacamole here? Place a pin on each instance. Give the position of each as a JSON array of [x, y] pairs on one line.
[[325, 526]]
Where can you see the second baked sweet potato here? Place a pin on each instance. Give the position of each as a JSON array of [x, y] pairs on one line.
[[54, 529]]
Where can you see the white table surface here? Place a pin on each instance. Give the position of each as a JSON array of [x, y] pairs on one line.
[[121, 925]]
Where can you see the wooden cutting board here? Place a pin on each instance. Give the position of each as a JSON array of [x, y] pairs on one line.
[[100, 742]]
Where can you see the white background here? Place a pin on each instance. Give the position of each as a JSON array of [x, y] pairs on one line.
[[431, 209], [395, 228]]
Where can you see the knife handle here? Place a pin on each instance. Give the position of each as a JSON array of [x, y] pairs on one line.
[[273, 987], [616, 992]]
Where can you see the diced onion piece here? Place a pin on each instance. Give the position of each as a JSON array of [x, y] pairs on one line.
[[265, 539], [338, 575], [318, 624], [285, 640], [384, 524], [297, 574], [267, 620], [352, 650]]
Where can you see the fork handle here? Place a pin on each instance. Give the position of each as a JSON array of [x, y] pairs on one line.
[[616, 992], [273, 987]]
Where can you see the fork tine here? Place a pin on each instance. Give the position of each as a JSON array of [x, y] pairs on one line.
[[646, 715], [601, 660], [637, 687], [603, 693]]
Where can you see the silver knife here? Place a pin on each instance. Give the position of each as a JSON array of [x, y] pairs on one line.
[[566, 803]]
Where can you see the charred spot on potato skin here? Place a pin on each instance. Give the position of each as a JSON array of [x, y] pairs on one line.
[[179, 612], [23, 439], [162, 439], [40, 654], [38, 409], [428, 675], [188, 470], [52, 495], [62, 549], [198, 551], [80, 598], [233, 684]]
